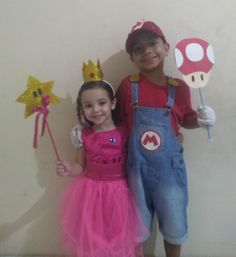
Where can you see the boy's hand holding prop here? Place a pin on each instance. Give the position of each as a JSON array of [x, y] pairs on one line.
[[195, 58], [37, 98]]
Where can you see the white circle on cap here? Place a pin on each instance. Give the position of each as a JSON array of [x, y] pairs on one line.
[[210, 54], [179, 58], [194, 52], [138, 25]]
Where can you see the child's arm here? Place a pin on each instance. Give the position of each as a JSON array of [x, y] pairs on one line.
[[190, 122], [205, 117], [180, 138], [76, 168], [72, 169]]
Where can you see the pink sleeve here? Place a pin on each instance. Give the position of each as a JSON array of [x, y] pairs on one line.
[[76, 136]]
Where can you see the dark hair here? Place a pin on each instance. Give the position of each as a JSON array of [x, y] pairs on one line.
[[101, 84]]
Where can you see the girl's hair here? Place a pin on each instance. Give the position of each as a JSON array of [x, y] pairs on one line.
[[101, 84]]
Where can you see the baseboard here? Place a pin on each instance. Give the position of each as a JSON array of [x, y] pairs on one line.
[[22, 255], [51, 255], [10, 255]]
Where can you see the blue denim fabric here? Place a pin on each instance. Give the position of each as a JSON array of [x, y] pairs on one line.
[[156, 169]]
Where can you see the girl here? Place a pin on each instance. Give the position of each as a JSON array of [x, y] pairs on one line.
[[99, 217]]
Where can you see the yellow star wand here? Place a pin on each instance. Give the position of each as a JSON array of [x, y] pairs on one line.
[[37, 98]]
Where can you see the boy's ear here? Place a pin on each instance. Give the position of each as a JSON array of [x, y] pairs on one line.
[[167, 47]]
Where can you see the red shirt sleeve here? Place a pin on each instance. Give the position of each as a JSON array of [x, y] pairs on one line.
[[188, 116], [124, 108]]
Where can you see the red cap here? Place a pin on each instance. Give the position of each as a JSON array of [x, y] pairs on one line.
[[142, 25]]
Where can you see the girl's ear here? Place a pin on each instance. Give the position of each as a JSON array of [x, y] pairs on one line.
[[131, 58], [113, 104]]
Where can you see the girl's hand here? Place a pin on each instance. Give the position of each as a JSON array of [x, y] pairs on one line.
[[64, 168], [180, 138]]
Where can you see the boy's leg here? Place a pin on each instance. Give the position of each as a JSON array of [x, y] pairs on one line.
[[172, 250], [171, 200]]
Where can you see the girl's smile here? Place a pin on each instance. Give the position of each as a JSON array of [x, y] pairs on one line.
[[97, 107]]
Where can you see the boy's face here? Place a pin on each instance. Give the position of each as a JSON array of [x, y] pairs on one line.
[[148, 51]]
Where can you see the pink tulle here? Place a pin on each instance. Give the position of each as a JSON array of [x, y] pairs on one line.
[[99, 219]]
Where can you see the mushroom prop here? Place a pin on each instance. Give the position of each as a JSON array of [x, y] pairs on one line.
[[195, 58]]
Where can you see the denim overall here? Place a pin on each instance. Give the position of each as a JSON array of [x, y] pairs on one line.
[[156, 169]]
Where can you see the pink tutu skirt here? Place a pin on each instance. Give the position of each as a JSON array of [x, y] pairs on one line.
[[99, 219]]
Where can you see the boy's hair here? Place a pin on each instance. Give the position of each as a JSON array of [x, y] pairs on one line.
[[145, 26], [101, 84]]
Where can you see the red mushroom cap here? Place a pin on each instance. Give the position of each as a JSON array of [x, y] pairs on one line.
[[194, 55]]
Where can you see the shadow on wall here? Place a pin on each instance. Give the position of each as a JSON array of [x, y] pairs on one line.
[[42, 218], [116, 67]]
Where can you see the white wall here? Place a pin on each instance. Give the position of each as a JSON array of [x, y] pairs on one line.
[[50, 39]]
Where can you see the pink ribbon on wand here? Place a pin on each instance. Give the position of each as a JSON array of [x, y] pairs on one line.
[[43, 111]]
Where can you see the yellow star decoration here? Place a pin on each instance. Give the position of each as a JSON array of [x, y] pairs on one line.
[[32, 96]]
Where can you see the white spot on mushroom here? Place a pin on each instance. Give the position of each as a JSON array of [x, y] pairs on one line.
[[210, 54], [138, 25], [194, 52], [178, 58]]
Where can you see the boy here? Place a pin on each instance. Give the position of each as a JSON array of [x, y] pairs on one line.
[[154, 106]]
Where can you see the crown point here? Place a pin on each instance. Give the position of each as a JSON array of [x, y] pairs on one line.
[[92, 72]]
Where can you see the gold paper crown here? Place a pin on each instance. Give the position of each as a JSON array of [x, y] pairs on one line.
[[91, 72]]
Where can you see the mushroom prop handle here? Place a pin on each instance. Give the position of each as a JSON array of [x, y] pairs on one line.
[[194, 59]]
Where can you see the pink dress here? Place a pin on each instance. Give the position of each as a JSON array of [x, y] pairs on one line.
[[98, 216]]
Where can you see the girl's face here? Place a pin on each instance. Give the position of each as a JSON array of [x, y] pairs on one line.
[[149, 51], [97, 106]]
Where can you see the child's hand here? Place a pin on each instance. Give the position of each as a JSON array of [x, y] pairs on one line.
[[180, 138], [67, 169], [206, 116], [62, 168]]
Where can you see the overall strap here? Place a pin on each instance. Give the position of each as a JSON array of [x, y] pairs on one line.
[[134, 92], [171, 97], [172, 83]]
